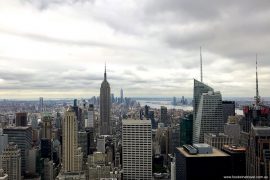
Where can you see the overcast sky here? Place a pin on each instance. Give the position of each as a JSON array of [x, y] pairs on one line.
[[58, 48]]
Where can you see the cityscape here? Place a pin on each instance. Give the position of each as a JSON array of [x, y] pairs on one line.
[[100, 90]]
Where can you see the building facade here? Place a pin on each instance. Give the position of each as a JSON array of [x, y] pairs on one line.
[[137, 149], [105, 106]]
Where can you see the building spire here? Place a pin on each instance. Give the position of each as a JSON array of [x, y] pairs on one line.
[[201, 64], [257, 97], [105, 73]]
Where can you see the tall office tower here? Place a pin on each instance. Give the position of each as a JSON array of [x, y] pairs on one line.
[[40, 105], [174, 101], [3, 176], [238, 159], [137, 149], [232, 128], [122, 95], [3, 141], [72, 156], [46, 148], [89, 122], [228, 110], [21, 119], [258, 151], [105, 106], [22, 136], [174, 134], [146, 111], [209, 116], [186, 129], [217, 140], [11, 161], [82, 142], [78, 113], [199, 89], [163, 115], [201, 161], [58, 120], [46, 131]]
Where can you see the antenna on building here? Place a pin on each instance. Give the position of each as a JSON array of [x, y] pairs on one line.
[[257, 97], [105, 73], [201, 64]]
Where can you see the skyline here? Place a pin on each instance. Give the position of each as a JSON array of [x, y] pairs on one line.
[[57, 49]]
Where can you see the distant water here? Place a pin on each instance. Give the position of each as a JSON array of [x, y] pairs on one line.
[[168, 104], [156, 105]]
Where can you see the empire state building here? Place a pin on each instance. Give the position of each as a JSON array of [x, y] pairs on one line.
[[105, 106]]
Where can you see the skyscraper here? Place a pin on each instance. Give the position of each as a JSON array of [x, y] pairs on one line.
[[186, 124], [21, 119], [199, 89], [228, 109], [163, 115], [122, 95], [11, 161], [209, 118], [3, 141], [22, 136], [105, 106], [40, 105], [72, 156], [137, 149], [46, 127]]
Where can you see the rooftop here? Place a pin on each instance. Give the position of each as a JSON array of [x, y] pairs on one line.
[[136, 122], [216, 153]]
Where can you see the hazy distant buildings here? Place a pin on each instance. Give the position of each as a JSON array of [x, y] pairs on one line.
[[137, 149], [72, 155], [105, 106], [11, 161], [40, 105], [201, 161], [209, 117], [122, 95]]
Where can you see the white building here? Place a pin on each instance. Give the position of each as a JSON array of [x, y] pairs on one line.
[[209, 117], [137, 149]]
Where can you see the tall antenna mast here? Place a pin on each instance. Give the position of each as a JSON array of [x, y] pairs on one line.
[[201, 64], [257, 98]]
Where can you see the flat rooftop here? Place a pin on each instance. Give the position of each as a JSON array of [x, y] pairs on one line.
[[135, 122], [216, 153]]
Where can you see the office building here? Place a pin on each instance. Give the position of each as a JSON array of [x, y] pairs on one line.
[[209, 118], [101, 144], [72, 155], [21, 119], [105, 106], [258, 151], [202, 161], [122, 95], [22, 136], [238, 159], [3, 141], [228, 108], [82, 142], [40, 105], [217, 140], [46, 127], [11, 161], [46, 148], [137, 149], [163, 115], [199, 89], [89, 122], [186, 129], [232, 129]]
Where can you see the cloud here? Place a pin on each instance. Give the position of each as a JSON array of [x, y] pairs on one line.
[[151, 47]]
